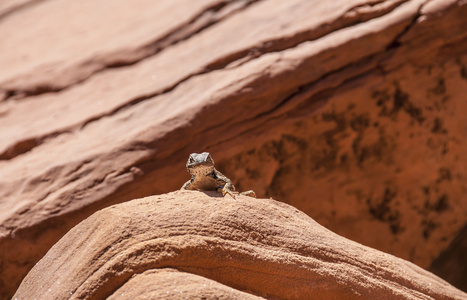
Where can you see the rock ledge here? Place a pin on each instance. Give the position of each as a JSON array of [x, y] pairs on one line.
[[220, 247]]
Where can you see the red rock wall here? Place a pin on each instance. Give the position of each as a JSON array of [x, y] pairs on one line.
[[352, 111]]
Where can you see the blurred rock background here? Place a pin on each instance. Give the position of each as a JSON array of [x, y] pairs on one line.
[[351, 111]]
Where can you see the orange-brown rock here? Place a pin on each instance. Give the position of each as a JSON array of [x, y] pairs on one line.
[[352, 111], [220, 247]]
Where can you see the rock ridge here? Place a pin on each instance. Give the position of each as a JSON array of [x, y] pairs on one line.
[[257, 246]]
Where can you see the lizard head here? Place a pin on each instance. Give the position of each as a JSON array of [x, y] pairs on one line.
[[200, 164]]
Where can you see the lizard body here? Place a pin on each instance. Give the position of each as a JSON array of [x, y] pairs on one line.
[[204, 177]]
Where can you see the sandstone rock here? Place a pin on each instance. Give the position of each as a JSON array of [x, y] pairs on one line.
[[351, 111], [223, 247], [172, 284], [104, 34]]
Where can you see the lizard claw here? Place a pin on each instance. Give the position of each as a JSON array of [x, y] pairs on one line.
[[249, 194], [231, 193]]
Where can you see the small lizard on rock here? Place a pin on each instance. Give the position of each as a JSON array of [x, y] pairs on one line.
[[204, 177]]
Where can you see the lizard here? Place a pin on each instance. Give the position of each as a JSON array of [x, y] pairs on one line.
[[204, 177]]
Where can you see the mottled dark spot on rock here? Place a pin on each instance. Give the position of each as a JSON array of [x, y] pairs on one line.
[[442, 204], [463, 72], [380, 208], [379, 149], [426, 190], [395, 226], [445, 149], [329, 117], [440, 88], [428, 227], [399, 98], [343, 158], [300, 143], [401, 101], [326, 157], [381, 97], [360, 122], [444, 174], [438, 127]]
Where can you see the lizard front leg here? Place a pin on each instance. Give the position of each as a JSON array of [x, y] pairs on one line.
[[225, 191], [186, 186], [226, 186]]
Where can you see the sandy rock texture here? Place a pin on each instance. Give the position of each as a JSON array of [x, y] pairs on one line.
[[351, 111], [195, 244]]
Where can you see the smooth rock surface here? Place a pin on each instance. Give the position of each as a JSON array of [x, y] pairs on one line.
[[172, 284], [352, 111], [223, 247]]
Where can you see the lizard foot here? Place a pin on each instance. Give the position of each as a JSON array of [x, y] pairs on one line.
[[231, 193], [249, 193]]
